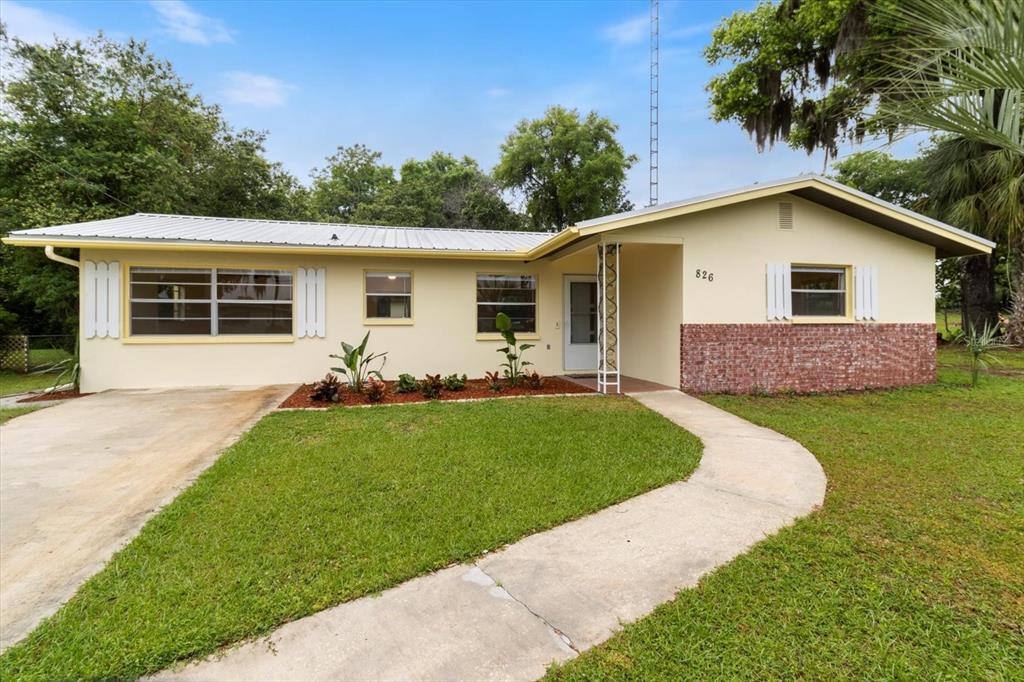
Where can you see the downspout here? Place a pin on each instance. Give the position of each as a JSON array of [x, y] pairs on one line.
[[48, 250]]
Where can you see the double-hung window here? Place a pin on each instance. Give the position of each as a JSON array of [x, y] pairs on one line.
[[818, 291], [388, 296], [514, 295], [209, 301]]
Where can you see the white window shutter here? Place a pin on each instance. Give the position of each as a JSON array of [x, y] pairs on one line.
[[779, 291], [321, 303], [300, 303], [101, 299], [865, 292], [310, 302], [114, 299], [89, 300]]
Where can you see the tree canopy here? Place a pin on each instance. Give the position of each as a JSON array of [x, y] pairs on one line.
[[569, 168], [440, 191], [99, 129]]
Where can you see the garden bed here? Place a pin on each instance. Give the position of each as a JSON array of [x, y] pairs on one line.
[[475, 389], [54, 395]]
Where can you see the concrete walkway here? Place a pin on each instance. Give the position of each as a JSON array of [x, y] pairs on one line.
[[78, 480], [553, 594]]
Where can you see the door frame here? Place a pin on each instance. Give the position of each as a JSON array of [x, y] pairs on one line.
[[567, 280]]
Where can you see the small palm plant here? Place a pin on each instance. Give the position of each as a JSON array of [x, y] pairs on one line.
[[357, 364], [513, 353], [980, 345]]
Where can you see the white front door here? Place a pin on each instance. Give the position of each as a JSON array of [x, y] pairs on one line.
[[579, 325]]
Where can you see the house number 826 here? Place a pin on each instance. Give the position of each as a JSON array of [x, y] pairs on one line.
[[704, 274]]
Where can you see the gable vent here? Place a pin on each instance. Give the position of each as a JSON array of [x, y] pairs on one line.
[[785, 215]]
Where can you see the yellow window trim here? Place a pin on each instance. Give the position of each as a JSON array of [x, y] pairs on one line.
[[126, 309], [391, 321], [488, 336], [848, 303]]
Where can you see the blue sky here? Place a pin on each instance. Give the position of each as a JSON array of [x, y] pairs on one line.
[[410, 78]]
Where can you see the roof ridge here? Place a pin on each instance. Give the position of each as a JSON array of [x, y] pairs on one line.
[[312, 223]]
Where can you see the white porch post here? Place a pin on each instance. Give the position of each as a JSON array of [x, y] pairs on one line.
[[608, 318]]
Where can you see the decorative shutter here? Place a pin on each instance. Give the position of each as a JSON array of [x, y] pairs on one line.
[[310, 302], [779, 290], [101, 299], [865, 292]]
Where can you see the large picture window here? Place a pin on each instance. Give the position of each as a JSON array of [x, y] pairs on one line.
[[210, 301], [514, 295], [388, 296], [818, 291]]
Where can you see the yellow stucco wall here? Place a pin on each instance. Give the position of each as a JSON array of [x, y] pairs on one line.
[[659, 291], [736, 242], [442, 337]]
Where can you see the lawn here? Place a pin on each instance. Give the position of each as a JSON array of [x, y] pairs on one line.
[[913, 569], [310, 509], [12, 383], [9, 413]]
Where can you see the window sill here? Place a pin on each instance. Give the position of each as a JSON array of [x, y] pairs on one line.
[[822, 320], [185, 339], [532, 336], [388, 322]]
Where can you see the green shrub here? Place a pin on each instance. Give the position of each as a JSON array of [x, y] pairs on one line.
[[406, 384], [493, 381], [454, 382], [431, 386], [514, 362], [357, 364]]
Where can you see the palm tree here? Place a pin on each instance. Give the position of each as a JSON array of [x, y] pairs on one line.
[[979, 187], [957, 66]]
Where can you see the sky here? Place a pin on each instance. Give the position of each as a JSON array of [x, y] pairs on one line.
[[409, 78]]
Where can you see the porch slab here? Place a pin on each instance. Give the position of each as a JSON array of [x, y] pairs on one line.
[[629, 384]]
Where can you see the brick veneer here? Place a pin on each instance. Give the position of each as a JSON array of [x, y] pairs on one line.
[[748, 358]]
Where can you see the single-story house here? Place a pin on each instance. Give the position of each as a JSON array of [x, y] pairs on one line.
[[802, 284]]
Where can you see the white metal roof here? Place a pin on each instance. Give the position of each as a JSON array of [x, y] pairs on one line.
[[150, 227]]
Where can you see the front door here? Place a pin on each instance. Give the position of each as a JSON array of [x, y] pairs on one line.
[[579, 324]]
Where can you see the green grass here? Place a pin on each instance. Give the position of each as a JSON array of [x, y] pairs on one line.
[[9, 413], [12, 383], [949, 322], [310, 509], [913, 569]]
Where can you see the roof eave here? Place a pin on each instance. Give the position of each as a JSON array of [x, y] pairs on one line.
[[232, 247]]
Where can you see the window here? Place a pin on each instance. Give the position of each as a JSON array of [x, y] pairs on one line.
[[514, 295], [389, 295], [818, 292], [210, 301]]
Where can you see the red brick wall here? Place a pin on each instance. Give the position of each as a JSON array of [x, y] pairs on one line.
[[749, 358]]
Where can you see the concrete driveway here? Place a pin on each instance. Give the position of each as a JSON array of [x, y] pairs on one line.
[[78, 480]]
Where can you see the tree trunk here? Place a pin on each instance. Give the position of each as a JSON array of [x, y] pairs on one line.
[[978, 290], [1015, 327]]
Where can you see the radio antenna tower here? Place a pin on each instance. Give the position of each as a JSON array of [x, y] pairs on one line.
[[654, 105]]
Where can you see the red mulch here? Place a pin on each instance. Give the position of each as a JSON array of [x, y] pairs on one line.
[[53, 395], [475, 388]]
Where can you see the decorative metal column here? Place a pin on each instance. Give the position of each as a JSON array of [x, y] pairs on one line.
[[608, 318]]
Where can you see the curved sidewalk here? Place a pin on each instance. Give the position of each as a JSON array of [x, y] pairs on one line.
[[551, 595]]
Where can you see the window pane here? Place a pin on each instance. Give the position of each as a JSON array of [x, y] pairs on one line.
[[812, 303], [170, 325], [254, 325], [388, 283], [253, 292], [392, 307], [171, 310], [254, 310], [171, 275], [170, 291], [523, 318], [818, 278], [514, 295], [583, 312]]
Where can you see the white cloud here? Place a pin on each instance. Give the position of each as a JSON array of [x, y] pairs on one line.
[[34, 25], [255, 89], [189, 26], [496, 93], [630, 31], [693, 30]]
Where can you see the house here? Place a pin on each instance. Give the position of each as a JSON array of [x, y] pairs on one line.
[[801, 284]]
